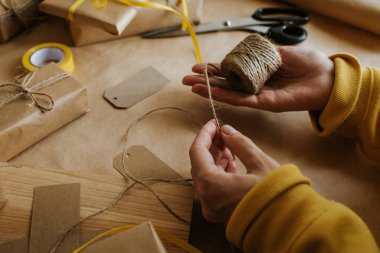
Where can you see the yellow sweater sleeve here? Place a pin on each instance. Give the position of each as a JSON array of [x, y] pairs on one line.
[[353, 109], [284, 214]]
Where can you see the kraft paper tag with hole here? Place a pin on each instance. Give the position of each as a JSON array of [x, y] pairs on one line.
[[142, 164], [142, 85], [55, 211]]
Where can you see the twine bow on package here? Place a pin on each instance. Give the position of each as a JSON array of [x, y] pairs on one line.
[[37, 105], [15, 15]]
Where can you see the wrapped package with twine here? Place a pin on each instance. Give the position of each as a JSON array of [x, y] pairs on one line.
[[146, 19], [112, 18], [251, 63], [364, 14], [36, 106], [16, 15]]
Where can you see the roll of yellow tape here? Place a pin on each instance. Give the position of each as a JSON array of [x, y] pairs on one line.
[[44, 53]]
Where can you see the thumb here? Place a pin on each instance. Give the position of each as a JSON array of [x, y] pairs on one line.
[[253, 158]]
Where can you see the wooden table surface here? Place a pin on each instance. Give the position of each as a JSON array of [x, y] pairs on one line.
[[335, 164]]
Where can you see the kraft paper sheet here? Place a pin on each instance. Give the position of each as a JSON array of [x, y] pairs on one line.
[[145, 20], [364, 14], [336, 166]]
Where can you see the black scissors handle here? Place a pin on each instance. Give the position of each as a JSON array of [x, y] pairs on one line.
[[287, 34], [289, 30], [286, 16]]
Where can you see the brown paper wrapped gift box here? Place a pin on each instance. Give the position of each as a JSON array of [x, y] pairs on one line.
[[15, 15], [145, 20], [22, 124], [112, 18]]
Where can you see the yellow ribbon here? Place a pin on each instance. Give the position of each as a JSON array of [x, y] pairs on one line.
[[185, 11], [185, 20], [164, 235]]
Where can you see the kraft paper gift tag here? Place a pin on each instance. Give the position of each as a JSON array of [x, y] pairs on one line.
[[55, 211], [145, 20], [142, 238], [16, 15], [22, 123], [3, 199], [144, 84], [364, 14], [112, 18]]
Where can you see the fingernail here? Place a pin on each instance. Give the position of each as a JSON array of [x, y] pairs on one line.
[[228, 130]]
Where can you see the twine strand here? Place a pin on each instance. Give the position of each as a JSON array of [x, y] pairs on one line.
[[211, 99]]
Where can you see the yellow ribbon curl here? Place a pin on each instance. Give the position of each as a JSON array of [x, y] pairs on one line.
[[185, 20], [167, 236]]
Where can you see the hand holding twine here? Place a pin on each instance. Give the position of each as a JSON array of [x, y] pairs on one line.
[[31, 92]]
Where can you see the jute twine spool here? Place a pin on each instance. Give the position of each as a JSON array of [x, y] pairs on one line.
[[251, 63]]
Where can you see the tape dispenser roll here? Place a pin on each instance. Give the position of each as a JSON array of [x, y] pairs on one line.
[[42, 54]]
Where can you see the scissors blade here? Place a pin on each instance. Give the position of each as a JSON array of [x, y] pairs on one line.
[[226, 25]]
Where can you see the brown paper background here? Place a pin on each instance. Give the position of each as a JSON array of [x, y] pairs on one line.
[[335, 164], [364, 14], [146, 19]]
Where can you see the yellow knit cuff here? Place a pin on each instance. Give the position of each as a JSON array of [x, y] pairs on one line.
[[258, 198], [344, 95]]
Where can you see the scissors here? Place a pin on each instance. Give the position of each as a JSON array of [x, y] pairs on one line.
[[281, 24]]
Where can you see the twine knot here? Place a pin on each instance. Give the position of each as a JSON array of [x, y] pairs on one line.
[[36, 98]]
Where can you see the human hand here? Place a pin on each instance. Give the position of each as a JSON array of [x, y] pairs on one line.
[[218, 186], [303, 82]]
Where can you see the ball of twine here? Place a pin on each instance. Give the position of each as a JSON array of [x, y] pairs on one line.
[[251, 63]]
